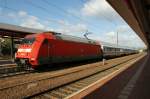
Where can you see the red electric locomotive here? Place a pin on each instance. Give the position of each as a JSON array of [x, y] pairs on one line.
[[50, 47]]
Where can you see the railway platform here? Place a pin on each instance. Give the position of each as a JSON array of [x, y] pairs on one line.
[[130, 84], [142, 86]]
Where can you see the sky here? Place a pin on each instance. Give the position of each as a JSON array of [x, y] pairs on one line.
[[72, 17]]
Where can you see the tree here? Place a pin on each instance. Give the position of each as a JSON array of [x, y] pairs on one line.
[[6, 46]]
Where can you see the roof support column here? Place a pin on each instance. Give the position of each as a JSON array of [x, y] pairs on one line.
[[12, 48], [0, 46]]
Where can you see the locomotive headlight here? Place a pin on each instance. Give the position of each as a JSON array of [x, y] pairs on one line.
[[24, 50], [20, 50], [27, 50]]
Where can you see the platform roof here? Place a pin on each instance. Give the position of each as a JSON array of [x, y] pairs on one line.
[[137, 14], [16, 31]]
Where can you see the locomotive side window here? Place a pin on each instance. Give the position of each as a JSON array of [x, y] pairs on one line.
[[28, 40], [45, 41]]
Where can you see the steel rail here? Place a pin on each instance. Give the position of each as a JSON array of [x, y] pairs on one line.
[[37, 82], [68, 90]]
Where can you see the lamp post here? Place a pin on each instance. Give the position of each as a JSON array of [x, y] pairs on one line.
[[117, 39]]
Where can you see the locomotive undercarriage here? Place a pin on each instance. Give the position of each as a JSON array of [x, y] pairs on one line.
[[23, 63]]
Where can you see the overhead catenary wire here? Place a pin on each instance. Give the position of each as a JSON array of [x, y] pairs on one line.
[[31, 14], [107, 18], [15, 10], [4, 6], [69, 13], [47, 11], [104, 16]]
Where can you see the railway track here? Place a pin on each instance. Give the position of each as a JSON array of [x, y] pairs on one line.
[[68, 90], [54, 81], [7, 70], [6, 61]]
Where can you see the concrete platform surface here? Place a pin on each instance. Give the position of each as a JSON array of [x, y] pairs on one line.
[[141, 89], [133, 83]]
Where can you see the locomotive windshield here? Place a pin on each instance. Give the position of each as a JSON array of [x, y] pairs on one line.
[[28, 40]]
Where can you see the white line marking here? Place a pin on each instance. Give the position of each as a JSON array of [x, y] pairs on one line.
[[131, 84]]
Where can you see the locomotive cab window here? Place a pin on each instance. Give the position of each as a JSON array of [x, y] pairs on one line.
[[28, 40]]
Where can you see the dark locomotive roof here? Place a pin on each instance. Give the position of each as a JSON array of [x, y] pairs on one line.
[[74, 38]]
